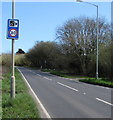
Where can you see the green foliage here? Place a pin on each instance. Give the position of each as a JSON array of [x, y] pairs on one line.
[[65, 74], [22, 106], [20, 60], [78, 38], [20, 51], [43, 55], [75, 50], [101, 82], [104, 62]]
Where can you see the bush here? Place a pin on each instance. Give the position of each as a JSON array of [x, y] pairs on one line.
[[43, 55], [20, 60], [5, 60]]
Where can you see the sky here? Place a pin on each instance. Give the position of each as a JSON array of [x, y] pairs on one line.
[[39, 20]]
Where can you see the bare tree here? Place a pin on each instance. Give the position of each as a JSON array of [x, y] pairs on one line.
[[78, 36]]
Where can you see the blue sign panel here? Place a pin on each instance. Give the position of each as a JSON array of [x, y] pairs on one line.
[[13, 29]]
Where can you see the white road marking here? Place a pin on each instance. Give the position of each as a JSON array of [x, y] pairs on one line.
[[78, 81], [41, 105], [39, 75], [96, 86], [63, 78], [84, 93], [104, 101], [32, 72], [102, 87], [35, 73], [67, 86], [47, 78], [107, 88], [71, 79]]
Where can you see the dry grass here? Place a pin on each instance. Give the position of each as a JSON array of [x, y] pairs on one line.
[[5, 60], [5, 63], [0, 59]]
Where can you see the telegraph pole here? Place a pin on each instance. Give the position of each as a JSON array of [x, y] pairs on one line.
[[12, 91]]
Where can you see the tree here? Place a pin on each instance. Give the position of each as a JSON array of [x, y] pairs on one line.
[[20, 51], [43, 54], [78, 38]]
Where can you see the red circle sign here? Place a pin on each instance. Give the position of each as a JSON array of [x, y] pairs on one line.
[[13, 32]]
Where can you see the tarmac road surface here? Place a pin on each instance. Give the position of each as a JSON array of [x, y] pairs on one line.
[[68, 98]]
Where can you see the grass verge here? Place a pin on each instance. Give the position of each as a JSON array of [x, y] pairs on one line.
[[62, 73], [101, 82], [23, 105], [0, 92]]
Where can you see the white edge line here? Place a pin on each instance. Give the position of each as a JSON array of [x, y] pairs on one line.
[[41, 105], [97, 86], [67, 86], [104, 101]]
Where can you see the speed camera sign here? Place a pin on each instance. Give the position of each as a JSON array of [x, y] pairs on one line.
[[13, 28]]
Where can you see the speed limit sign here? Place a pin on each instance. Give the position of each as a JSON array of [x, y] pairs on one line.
[[13, 28], [13, 32]]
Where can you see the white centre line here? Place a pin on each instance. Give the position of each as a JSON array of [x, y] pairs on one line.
[[35, 73], [47, 78], [67, 86], [104, 101], [39, 75]]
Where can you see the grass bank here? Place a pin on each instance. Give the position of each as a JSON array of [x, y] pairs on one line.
[[101, 82], [23, 105]]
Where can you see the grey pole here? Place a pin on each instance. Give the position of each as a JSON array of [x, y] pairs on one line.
[[97, 54], [12, 94], [97, 45]]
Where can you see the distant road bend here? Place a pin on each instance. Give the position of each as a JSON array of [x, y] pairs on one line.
[[67, 98]]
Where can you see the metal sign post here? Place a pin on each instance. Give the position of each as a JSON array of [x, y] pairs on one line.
[[12, 33], [13, 76]]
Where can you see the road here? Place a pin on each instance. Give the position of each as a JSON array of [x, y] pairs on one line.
[[68, 98]]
